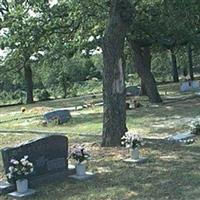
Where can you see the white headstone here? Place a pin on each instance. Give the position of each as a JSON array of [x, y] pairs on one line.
[[189, 85], [195, 84], [184, 87], [181, 137]]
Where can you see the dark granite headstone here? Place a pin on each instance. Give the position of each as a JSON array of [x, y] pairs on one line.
[[133, 91], [48, 155], [59, 115]]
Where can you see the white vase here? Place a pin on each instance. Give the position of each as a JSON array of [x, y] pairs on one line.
[[80, 169], [135, 154], [22, 185]]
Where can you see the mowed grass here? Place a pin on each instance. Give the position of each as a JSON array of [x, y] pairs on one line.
[[171, 172]]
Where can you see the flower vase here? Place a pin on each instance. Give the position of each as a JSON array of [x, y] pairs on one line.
[[135, 154], [80, 169], [22, 185]]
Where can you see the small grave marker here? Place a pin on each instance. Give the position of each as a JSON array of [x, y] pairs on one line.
[[19, 195], [184, 137], [139, 160], [82, 178], [133, 91]]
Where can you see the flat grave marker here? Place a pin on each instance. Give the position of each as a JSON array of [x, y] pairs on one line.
[[183, 137], [62, 115]]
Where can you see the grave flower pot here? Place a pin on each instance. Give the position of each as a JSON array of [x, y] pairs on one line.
[[80, 169], [135, 154], [22, 185]]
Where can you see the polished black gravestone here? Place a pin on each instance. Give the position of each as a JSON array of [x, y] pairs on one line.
[[61, 115], [48, 155]]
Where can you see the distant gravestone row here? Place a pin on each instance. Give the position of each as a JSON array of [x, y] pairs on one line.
[[189, 85]]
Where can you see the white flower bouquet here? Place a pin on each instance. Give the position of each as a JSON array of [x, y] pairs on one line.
[[79, 154], [130, 140], [20, 169]]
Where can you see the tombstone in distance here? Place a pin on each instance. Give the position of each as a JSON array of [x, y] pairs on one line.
[[189, 85], [60, 115], [184, 137], [133, 91], [195, 84], [184, 87], [48, 155]]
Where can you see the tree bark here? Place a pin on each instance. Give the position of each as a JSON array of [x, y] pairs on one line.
[[28, 83], [142, 62], [147, 63], [63, 81], [174, 67], [114, 116], [190, 60], [64, 90], [143, 89]]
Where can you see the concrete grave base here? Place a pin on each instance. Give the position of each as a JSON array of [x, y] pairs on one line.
[[81, 178], [6, 187], [18, 195], [140, 160]]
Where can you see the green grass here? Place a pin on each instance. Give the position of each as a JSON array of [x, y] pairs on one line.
[[172, 171]]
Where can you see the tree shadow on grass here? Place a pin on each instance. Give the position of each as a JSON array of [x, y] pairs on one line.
[[171, 172]]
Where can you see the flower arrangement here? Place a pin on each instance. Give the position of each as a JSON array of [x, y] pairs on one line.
[[19, 169], [195, 128], [79, 154], [130, 140], [56, 120]]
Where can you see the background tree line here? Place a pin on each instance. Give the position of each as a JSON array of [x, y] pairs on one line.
[[51, 48]]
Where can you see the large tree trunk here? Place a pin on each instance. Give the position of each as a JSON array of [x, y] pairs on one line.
[[190, 60], [174, 67], [142, 62], [114, 116], [143, 89], [28, 83], [64, 86], [147, 62]]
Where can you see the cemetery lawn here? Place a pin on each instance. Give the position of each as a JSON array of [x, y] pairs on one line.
[[172, 171]]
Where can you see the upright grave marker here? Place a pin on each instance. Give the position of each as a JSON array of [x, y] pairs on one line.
[[189, 85], [48, 155]]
